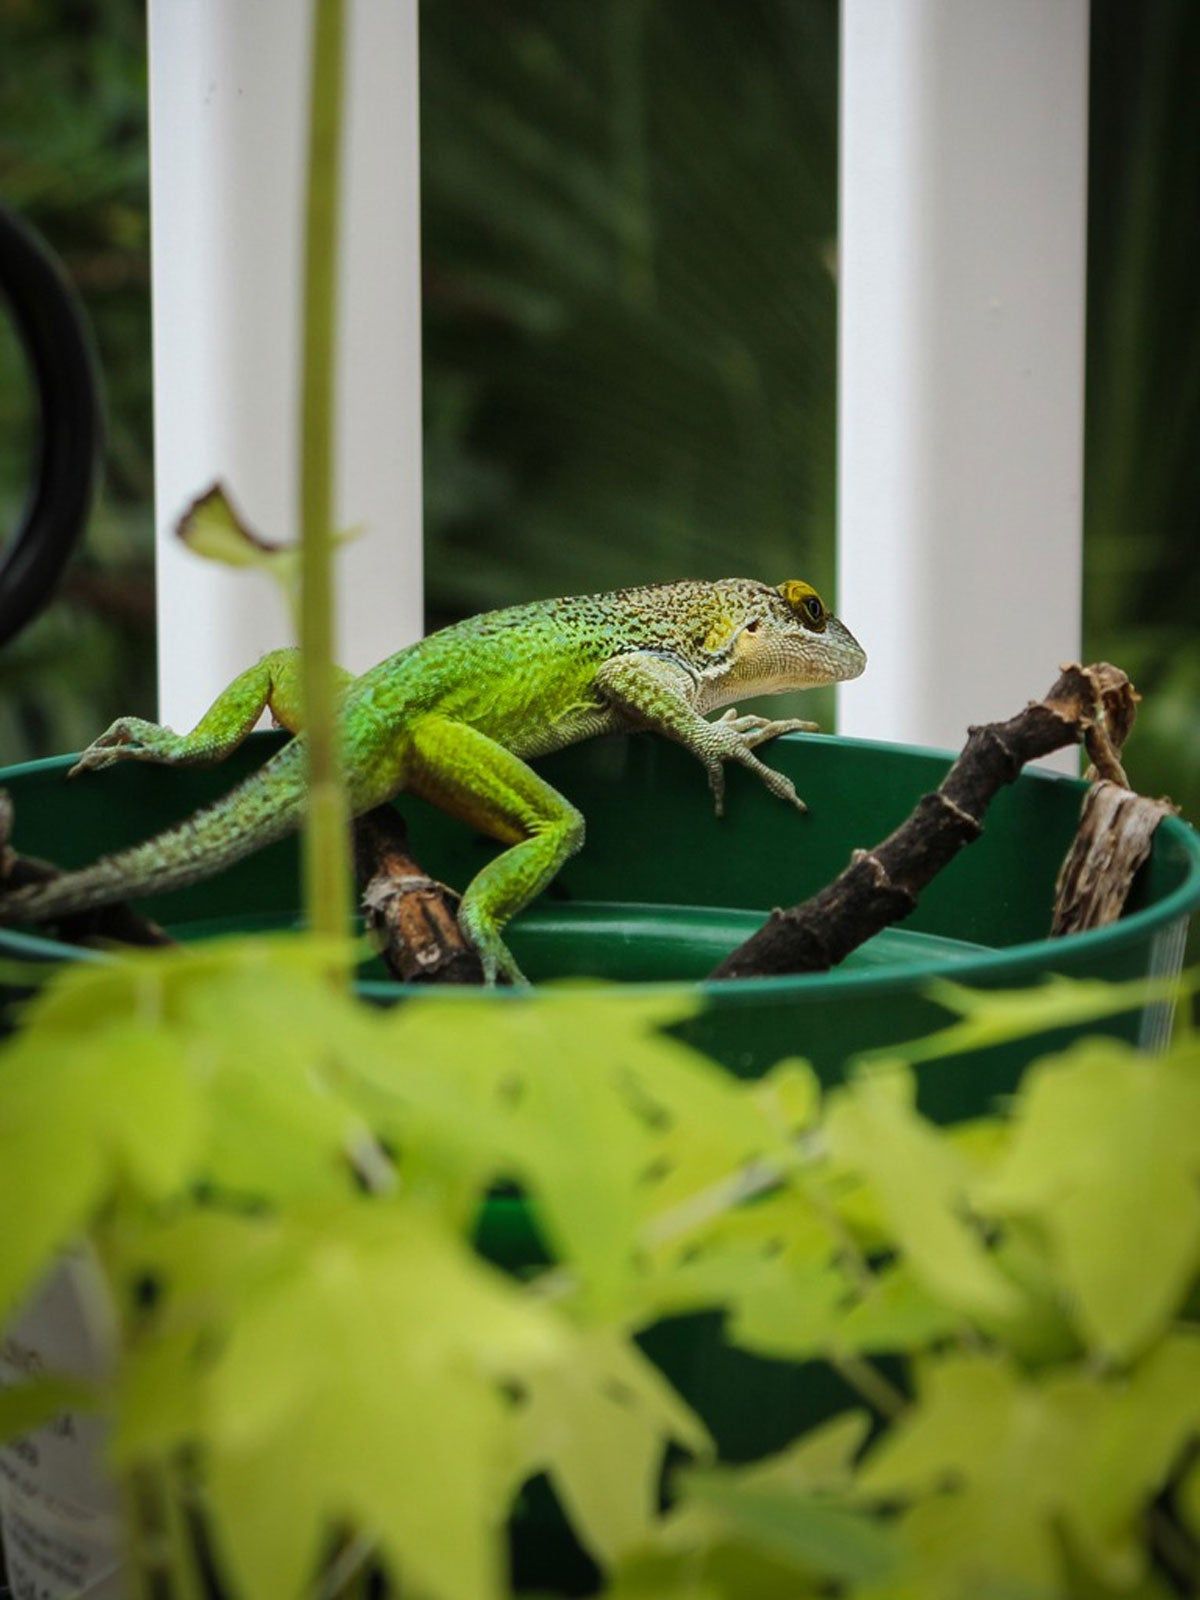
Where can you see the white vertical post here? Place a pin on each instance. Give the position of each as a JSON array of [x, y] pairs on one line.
[[228, 87], [962, 254]]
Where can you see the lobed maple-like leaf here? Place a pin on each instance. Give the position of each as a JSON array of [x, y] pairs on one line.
[[1105, 1159], [353, 1369], [993, 1465], [599, 1424], [921, 1184], [605, 1120], [115, 1108]]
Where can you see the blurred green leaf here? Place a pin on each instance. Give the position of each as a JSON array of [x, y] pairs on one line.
[[608, 1123], [368, 1352], [824, 1540], [896, 1313], [94, 1113], [998, 1016], [253, 1028], [1106, 1158], [333, 1361], [823, 1460], [990, 1464], [212, 527], [600, 1424], [921, 1184], [797, 1315]]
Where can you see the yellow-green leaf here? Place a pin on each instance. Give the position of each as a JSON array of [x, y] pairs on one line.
[[1106, 1159], [993, 1464], [600, 1424], [362, 1381], [114, 1105], [921, 1184], [815, 1536], [997, 1016]]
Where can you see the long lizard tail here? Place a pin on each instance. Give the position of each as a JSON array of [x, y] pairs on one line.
[[269, 804]]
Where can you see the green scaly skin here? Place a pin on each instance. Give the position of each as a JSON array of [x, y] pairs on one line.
[[455, 717]]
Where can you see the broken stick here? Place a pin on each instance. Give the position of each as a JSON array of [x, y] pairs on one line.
[[1116, 826], [1116, 830], [412, 915]]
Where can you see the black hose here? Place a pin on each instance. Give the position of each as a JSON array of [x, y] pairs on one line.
[[52, 329]]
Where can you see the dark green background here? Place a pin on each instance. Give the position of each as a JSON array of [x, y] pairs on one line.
[[630, 246]]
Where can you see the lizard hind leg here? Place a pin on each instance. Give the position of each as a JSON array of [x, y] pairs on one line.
[[270, 684], [471, 777]]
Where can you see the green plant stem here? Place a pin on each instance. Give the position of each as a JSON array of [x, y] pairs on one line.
[[863, 1376], [326, 844], [184, 1577], [347, 1575]]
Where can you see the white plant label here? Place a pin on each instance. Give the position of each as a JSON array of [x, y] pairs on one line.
[[58, 1505]]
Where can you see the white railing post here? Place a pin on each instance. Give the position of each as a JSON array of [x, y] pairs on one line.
[[228, 86], [961, 364]]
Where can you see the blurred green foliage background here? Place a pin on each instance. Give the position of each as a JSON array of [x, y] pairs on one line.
[[630, 245]]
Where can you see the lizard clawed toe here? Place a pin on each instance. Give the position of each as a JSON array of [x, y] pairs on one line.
[[122, 742], [755, 730], [496, 959], [500, 965], [95, 758]]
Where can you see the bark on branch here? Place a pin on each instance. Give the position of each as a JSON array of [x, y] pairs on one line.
[[412, 915], [1116, 831], [1116, 828], [1093, 705]]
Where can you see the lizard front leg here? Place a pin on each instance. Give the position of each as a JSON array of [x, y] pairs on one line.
[[657, 693], [270, 684], [473, 778]]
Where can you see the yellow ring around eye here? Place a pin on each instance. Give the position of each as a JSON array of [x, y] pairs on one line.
[[797, 593]]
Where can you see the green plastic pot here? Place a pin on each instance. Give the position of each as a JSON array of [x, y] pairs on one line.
[[663, 889], [660, 892]]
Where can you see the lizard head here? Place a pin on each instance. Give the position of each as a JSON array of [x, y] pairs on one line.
[[787, 638]]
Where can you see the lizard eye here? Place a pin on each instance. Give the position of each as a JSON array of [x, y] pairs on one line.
[[814, 608]]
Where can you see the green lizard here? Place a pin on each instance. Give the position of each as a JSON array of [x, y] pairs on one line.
[[454, 718]]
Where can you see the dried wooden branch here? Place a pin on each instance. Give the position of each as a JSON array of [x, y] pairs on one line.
[[115, 924], [1106, 737], [881, 886], [411, 914]]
